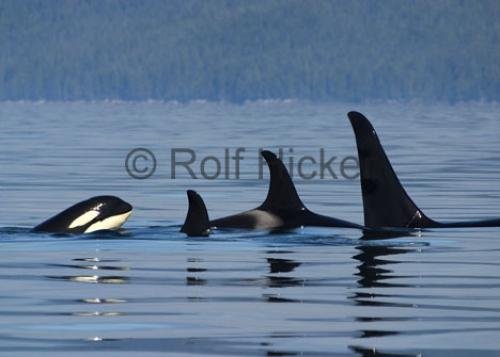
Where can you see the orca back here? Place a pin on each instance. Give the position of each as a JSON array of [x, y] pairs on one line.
[[282, 208], [283, 200], [61, 222]]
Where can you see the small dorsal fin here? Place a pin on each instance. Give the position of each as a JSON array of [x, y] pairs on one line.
[[385, 201], [197, 222], [282, 194]]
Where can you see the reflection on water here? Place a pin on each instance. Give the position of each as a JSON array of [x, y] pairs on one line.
[[193, 277], [274, 279], [281, 265], [308, 289], [95, 279], [102, 301], [278, 266], [89, 267], [381, 289], [99, 313], [373, 352], [371, 271], [97, 266]]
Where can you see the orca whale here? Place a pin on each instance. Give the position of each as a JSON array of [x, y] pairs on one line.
[[197, 222], [95, 214], [282, 208], [385, 201]]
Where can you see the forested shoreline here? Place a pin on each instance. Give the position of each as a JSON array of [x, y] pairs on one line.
[[444, 50]]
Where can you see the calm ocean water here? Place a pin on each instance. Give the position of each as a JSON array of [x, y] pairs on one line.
[[151, 290]]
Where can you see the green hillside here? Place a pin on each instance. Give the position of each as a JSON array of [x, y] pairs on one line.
[[445, 50]]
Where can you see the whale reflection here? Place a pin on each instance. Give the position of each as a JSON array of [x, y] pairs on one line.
[[375, 273], [93, 279], [371, 271], [95, 264], [102, 301], [196, 275], [373, 352], [98, 313], [277, 265], [193, 277], [89, 267]]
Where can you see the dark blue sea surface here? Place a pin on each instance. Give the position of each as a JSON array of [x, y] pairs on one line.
[[149, 289]]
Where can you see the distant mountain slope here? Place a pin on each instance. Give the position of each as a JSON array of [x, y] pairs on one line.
[[234, 50]]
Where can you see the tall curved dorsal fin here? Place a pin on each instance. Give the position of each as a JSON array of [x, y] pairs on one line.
[[282, 194], [197, 222], [385, 201]]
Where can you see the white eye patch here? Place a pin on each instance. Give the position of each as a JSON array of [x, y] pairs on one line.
[[110, 223], [84, 219]]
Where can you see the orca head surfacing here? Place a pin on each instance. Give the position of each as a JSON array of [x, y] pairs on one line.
[[385, 201], [95, 214]]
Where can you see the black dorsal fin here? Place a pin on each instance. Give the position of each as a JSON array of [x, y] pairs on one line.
[[197, 222], [282, 194], [385, 201]]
